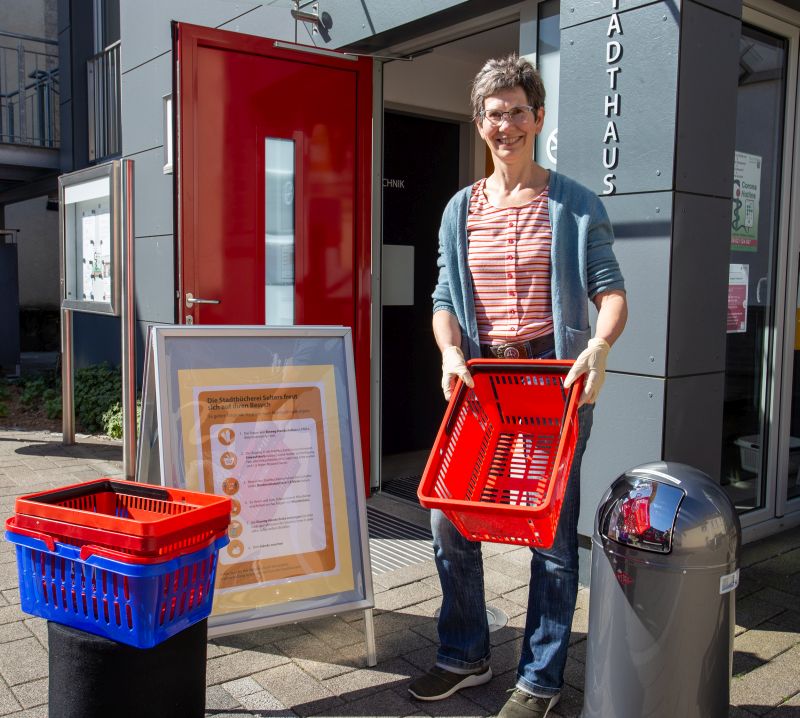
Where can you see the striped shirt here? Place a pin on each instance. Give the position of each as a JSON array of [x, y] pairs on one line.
[[509, 259]]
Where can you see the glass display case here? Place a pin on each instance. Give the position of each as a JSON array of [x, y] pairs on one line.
[[90, 239]]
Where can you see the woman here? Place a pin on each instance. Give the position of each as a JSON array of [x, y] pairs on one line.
[[521, 253]]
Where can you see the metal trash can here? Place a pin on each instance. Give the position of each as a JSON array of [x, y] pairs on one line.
[[661, 607]]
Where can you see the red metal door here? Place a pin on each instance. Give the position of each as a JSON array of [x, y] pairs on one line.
[[236, 96]]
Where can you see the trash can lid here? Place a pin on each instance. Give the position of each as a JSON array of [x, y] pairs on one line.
[[671, 508]]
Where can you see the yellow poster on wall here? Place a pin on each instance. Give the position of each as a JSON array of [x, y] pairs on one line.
[[269, 438]]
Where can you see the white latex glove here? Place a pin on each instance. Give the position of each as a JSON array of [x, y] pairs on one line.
[[592, 362], [454, 367]]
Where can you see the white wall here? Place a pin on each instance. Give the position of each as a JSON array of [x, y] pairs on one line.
[[37, 252], [433, 81], [440, 81]]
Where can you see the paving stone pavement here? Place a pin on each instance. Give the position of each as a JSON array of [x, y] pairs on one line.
[[318, 668]]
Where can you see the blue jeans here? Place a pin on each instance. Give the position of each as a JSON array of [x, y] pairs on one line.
[[553, 590]]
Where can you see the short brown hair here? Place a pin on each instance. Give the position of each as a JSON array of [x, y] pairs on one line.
[[506, 73]]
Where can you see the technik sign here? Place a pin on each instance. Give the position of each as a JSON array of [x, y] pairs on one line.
[[612, 101]]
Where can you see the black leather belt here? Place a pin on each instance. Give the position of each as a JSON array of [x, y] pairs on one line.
[[519, 350]]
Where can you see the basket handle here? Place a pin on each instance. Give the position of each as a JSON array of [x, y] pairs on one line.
[[91, 550], [47, 540], [575, 389]]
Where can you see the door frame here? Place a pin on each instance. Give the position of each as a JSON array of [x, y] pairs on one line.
[[779, 514], [525, 13], [184, 91]]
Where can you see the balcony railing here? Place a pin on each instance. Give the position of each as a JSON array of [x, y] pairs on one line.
[[29, 96], [105, 136]]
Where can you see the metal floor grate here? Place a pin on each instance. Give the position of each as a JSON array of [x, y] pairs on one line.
[[394, 543], [403, 487]]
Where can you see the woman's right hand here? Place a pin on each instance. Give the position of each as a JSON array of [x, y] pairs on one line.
[[454, 367]]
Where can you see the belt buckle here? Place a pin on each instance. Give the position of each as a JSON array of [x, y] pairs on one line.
[[509, 351]]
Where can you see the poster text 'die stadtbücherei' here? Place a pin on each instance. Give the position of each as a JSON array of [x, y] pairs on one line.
[[269, 438]]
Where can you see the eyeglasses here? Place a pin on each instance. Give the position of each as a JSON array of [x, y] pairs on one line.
[[518, 115]]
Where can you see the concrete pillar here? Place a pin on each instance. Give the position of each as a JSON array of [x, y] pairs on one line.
[[647, 120]]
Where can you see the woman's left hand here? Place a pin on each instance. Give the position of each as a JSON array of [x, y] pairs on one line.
[[592, 362]]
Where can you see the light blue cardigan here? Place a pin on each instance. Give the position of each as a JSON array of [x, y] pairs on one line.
[[582, 264]]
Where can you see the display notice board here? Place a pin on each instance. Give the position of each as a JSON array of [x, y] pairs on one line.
[[269, 418], [91, 204]]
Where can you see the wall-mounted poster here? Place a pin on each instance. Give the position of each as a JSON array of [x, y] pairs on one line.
[[96, 257], [737, 298], [746, 197], [268, 417]]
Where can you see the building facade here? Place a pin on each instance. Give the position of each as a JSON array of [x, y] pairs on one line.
[[682, 116], [29, 168]]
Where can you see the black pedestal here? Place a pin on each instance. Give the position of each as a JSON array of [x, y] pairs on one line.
[[93, 677]]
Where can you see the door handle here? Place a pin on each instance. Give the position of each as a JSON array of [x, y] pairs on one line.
[[761, 283], [191, 299]]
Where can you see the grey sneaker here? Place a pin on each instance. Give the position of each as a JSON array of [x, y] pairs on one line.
[[439, 683], [524, 705]]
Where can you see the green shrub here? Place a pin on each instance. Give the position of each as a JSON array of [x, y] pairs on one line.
[[51, 399], [32, 391], [97, 389], [112, 419]]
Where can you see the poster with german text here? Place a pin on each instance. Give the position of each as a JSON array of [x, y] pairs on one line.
[[269, 438], [737, 298], [746, 197]]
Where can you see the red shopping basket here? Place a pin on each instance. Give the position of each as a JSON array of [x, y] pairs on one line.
[[80, 538], [189, 538], [503, 454], [154, 519]]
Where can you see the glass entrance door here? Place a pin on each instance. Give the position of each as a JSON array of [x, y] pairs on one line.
[[760, 447], [789, 450]]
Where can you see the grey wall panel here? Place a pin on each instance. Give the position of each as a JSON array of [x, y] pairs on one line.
[[699, 285], [81, 49], [642, 227], [693, 421], [65, 149], [646, 85], [96, 338], [9, 307], [351, 21], [731, 7], [63, 15], [275, 22], [707, 101], [142, 104], [153, 194], [145, 24], [155, 279], [64, 76], [627, 432], [576, 12]]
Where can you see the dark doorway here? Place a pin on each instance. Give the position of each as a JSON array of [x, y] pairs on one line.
[[421, 173]]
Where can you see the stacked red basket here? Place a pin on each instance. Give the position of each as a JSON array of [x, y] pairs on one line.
[[502, 457], [131, 562]]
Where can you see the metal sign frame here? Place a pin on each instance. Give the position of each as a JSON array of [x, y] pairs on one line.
[[84, 185], [163, 450]]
